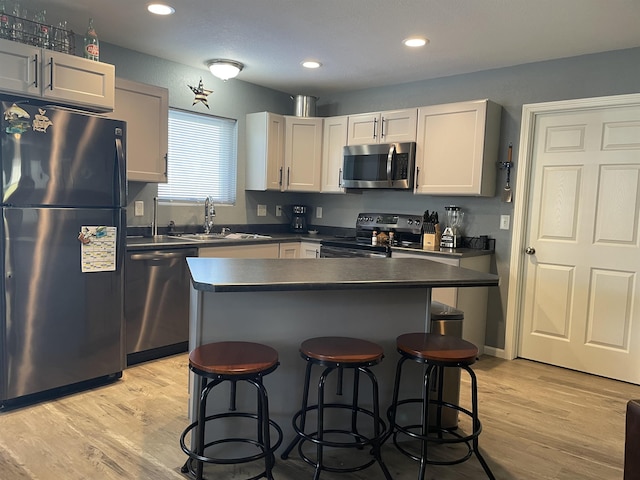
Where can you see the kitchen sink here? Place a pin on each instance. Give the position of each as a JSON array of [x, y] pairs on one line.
[[221, 236]]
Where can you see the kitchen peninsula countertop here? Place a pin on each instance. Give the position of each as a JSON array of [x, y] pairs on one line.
[[245, 275], [165, 241], [282, 302]]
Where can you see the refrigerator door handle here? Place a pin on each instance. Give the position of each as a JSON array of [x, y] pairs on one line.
[[121, 173]]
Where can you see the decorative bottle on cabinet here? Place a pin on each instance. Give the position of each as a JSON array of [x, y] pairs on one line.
[[91, 43]]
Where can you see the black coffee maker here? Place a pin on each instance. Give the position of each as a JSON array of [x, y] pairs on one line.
[[299, 219]]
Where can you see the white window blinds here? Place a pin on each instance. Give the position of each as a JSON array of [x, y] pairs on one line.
[[202, 158]]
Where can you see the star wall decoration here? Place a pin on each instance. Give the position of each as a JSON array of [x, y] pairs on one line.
[[201, 94]]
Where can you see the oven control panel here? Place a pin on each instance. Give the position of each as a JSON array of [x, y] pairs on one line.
[[389, 221]]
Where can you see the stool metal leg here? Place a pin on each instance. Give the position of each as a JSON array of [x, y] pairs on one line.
[[377, 434], [303, 417], [476, 422], [426, 399]]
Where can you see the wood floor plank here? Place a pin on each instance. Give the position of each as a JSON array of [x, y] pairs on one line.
[[539, 423]]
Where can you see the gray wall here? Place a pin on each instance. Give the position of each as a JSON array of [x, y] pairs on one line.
[[609, 73]]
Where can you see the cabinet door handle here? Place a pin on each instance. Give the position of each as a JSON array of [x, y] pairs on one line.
[[35, 70], [288, 176], [382, 128], [340, 178], [166, 165], [417, 176], [280, 179], [51, 74], [375, 124]]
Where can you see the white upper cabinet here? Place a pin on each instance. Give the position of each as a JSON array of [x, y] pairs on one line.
[[334, 140], [302, 154], [265, 151], [145, 108], [382, 127], [55, 76], [457, 148], [284, 153]]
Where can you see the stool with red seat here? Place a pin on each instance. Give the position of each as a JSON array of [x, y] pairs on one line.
[[231, 362], [436, 353], [337, 354]]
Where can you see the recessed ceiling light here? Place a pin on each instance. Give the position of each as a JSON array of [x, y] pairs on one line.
[[311, 64], [415, 41], [160, 9]]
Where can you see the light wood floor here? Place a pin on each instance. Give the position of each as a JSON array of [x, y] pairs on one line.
[[540, 422]]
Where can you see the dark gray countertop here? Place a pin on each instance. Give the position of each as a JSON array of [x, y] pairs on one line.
[[246, 275], [164, 241]]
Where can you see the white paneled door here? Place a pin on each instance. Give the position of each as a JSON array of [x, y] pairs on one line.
[[580, 306]]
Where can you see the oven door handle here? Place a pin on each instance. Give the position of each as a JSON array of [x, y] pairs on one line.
[[390, 157]]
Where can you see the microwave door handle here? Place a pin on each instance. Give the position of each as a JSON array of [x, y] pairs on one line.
[[390, 158]]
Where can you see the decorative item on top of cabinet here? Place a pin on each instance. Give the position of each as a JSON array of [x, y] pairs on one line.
[[457, 148], [145, 108], [66, 79], [334, 139], [284, 153], [382, 127]]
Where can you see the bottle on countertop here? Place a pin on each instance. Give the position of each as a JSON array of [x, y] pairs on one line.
[[374, 237], [391, 238], [91, 43]]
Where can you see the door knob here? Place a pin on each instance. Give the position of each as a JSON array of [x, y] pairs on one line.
[[530, 251]]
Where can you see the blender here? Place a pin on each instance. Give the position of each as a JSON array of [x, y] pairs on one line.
[[452, 235]]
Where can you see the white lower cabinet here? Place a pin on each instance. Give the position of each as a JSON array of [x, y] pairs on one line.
[[290, 250], [471, 300], [267, 250], [309, 250]]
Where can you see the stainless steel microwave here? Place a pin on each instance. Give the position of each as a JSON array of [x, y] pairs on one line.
[[388, 165]]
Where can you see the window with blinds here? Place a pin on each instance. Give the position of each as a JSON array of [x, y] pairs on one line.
[[202, 158]]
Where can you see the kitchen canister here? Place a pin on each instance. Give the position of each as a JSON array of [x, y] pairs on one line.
[[305, 105]]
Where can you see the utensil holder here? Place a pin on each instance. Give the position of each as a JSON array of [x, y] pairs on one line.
[[431, 241]]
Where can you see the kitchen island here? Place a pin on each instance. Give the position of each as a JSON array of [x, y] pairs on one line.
[[281, 302]]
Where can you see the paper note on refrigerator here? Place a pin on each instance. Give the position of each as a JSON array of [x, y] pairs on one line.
[[98, 248]]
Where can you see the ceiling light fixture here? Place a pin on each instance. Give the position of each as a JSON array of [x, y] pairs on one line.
[[160, 9], [311, 64], [225, 69], [415, 41]]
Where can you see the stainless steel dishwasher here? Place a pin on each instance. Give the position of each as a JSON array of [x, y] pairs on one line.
[[156, 303]]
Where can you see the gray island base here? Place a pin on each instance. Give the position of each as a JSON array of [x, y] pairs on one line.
[[282, 302]]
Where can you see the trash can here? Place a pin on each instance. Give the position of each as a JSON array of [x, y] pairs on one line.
[[447, 320]]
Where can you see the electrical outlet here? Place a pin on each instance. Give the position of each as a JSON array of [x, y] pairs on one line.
[[278, 210], [318, 212], [138, 208], [504, 222], [262, 210]]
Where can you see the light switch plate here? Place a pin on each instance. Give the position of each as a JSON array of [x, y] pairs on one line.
[[278, 210], [504, 222], [318, 212], [262, 210]]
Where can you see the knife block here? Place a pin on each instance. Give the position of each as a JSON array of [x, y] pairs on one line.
[[431, 241]]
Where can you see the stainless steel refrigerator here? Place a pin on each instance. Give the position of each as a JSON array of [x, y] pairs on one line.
[[63, 245]]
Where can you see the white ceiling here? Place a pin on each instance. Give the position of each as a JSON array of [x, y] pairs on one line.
[[359, 42]]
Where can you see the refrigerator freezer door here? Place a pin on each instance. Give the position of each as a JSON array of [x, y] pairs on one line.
[[55, 157], [60, 326]]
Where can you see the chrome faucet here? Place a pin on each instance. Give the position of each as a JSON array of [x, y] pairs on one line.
[[209, 213]]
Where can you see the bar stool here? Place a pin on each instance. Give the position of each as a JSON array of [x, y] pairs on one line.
[[232, 362], [436, 353], [337, 354]]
